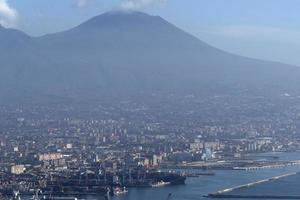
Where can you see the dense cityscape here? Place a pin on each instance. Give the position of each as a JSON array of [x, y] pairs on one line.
[[106, 147], [149, 100]]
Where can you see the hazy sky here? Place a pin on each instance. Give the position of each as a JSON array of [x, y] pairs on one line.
[[267, 29]]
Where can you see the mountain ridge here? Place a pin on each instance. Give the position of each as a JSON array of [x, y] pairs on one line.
[[130, 53]]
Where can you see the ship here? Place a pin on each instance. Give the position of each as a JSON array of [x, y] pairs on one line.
[[160, 184], [147, 179], [172, 178]]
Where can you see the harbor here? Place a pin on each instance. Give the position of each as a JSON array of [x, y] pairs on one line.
[[94, 182], [197, 187], [137, 183]]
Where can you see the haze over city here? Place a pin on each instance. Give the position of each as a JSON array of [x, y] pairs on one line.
[[149, 99]]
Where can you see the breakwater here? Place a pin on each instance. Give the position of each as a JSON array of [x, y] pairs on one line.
[[227, 193], [224, 196]]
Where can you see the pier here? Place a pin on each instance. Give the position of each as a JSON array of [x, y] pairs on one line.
[[271, 166], [231, 165], [224, 193]]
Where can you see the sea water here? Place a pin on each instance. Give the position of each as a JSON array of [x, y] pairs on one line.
[[197, 188]]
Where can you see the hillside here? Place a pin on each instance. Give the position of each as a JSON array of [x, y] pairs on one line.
[[128, 53]]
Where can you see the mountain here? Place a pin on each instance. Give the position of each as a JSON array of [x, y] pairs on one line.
[[127, 53]]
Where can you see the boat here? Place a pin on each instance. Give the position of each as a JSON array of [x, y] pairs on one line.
[[172, 178], [120, 191], [160, 184]]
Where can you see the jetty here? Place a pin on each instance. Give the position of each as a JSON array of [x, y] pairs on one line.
[[227, 193]]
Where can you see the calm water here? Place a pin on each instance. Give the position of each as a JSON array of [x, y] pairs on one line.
[[195, 188], [286, 186]]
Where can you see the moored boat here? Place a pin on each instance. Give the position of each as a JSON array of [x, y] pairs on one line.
[[160, 184], [120, 191]]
